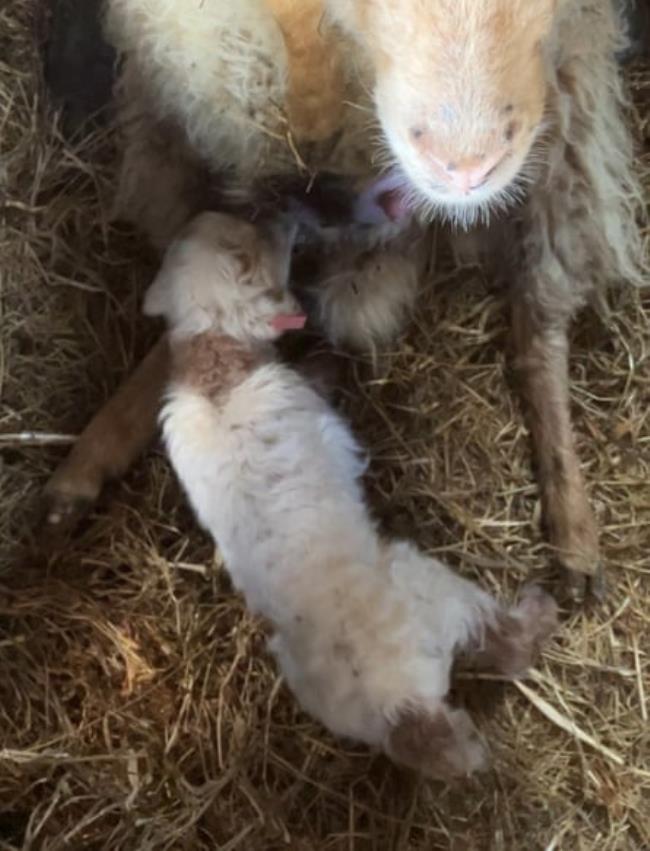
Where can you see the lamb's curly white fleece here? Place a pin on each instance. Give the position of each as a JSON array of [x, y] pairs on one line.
[[365, 631]]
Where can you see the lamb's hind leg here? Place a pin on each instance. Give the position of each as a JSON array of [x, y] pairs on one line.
[[542, 361], [109, 444]]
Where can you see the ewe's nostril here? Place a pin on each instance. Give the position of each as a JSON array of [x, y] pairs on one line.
[[473, 172], [510, 131], [469, 172]]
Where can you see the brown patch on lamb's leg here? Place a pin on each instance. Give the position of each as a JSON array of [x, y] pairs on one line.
[[438, 742], [109, 444], [542, 361], [511, 644]]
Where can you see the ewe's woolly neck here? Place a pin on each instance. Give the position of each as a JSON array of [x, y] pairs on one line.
[[215, 363]]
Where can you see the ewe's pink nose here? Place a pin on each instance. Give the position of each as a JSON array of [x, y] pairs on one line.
[[468, 173], [465, 173]]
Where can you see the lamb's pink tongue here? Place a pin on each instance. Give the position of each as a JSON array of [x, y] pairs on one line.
[[288, 321]]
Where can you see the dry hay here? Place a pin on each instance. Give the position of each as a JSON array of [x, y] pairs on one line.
[[138, 709]]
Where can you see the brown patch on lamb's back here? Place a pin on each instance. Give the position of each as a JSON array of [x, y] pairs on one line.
[[212, 363]]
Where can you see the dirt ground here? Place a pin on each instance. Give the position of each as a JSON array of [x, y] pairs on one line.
[[138, 709]]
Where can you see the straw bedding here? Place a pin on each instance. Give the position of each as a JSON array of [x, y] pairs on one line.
[[138, 709]]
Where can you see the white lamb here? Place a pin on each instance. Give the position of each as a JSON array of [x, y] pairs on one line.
[[365, 631]]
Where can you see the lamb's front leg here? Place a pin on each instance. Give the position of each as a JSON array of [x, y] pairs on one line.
[[109, 444], [541, 349]]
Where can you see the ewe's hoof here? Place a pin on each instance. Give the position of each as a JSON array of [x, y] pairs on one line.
[[581, 587], [573, 535], [60, 514]]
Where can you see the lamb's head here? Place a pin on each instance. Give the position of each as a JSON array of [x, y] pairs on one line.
[[460, 90], [225, 275]]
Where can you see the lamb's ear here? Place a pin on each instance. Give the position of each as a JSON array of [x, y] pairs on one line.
[[156, 299], [282, 234]]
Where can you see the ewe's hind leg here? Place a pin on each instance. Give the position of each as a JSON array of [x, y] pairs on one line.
[[542, 361], [112, 440]]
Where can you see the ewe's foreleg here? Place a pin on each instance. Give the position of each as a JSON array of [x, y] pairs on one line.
[[113, 439], [578, 234], [542, 362]]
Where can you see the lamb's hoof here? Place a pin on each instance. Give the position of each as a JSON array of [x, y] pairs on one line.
[[538, 610], [573, 534], [441, 745], [468, 755]]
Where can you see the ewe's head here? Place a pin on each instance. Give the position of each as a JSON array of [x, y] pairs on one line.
[[227, 276], [460, 92]]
